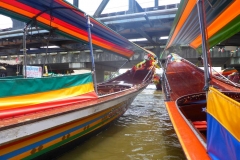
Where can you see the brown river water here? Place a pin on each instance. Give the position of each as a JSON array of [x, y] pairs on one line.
[[144, 132]]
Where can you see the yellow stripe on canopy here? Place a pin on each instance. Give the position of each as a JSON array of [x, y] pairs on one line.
[[225, 110], [32, 99]]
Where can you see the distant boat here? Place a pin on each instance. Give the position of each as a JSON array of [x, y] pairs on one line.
[[228, 71], [41, 117], [157, 81], [204, 109]]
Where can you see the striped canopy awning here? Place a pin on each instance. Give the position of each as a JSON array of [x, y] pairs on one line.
[[68, 21], [222, 22]]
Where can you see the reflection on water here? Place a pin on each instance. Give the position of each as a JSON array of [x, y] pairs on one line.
[[144, 132]]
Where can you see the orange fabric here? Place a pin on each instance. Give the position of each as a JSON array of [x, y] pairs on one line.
[[229, 14], [182, 20], [192, 147]]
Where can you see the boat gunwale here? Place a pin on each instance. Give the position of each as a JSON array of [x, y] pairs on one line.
[[176, 119]]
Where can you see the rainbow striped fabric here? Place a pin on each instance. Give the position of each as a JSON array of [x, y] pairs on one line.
[[69, 21], [222, 22], [21, 96]]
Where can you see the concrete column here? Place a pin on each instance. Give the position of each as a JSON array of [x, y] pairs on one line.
[[17, 24], [99, 75], [156, 4], [131, 6], [157, 51]]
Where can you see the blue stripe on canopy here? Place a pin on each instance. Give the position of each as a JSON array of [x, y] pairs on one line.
[[221, 145]]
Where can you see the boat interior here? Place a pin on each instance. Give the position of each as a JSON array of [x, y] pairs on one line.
[[189, 87], [124, 81], [193, 108], [111, 88]]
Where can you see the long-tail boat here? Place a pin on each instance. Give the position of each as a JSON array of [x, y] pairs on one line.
[[204, 108], [41, 117]]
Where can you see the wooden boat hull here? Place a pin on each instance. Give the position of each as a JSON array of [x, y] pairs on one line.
[[36, 122], [37, 138]]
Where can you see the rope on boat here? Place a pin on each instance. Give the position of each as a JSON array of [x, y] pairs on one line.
[[144, 80]]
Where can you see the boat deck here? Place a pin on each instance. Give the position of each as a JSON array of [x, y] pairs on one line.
[[184, 79]]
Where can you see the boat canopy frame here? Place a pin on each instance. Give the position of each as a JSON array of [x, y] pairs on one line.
[[89, 25]]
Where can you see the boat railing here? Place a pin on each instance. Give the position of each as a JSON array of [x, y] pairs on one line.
[[225, 78], [166, 85]]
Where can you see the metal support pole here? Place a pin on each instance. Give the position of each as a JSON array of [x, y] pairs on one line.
[[25, 51], [91, 51], [204, 46]]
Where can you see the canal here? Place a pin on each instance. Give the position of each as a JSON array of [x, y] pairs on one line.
[[144, 132]]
